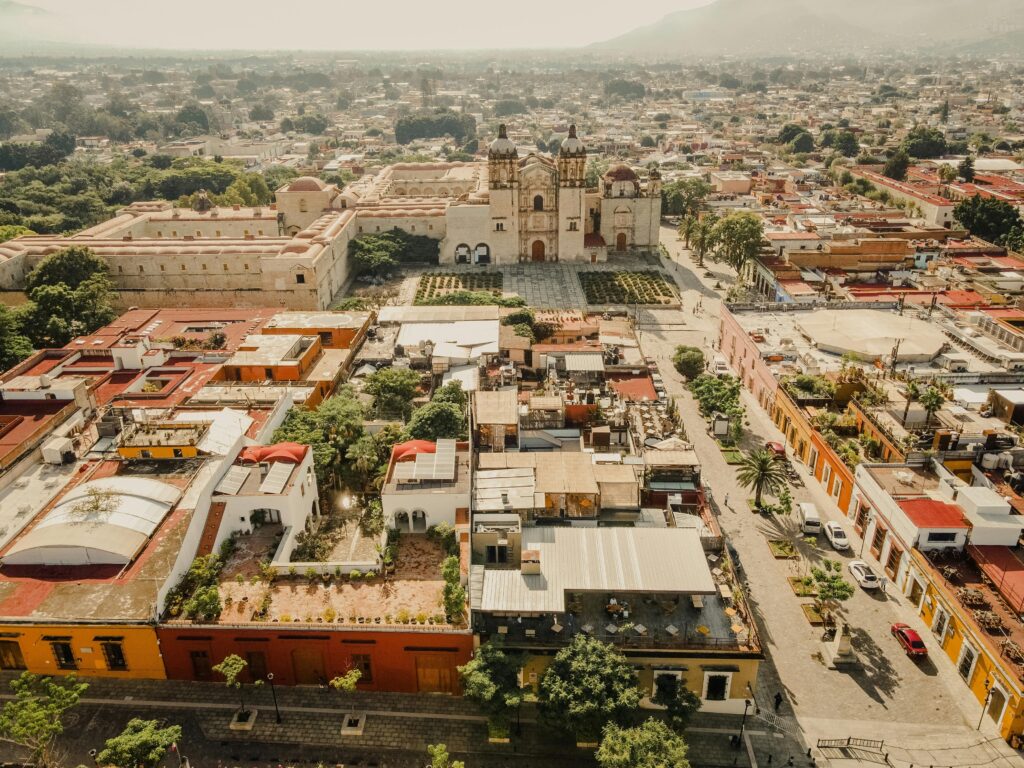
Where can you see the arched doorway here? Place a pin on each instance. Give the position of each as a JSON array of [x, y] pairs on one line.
[[462, 254], [537, 250], [482, 254], [620, 241], [538, 202]]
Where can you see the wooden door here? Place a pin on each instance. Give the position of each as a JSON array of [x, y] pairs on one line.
[[537, 250], [620, 241], [308, 665], [434, 675]]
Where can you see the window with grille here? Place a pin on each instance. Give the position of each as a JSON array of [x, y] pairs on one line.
[[113, 652]]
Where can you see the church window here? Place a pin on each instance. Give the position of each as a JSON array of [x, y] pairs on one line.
[[499, 226], [573, 226], [538, 203]]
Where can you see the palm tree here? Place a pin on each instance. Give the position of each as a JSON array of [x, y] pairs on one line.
[[931, 400], [704, 237], [686, 228], [761, 471], [912, 392]]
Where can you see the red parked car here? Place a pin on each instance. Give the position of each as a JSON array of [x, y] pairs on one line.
[[910, 640], [777, 448]]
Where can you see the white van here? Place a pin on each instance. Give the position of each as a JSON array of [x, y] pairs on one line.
[[810, 520], [720, 367]]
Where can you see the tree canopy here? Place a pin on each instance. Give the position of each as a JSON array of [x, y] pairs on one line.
[[988, 218], [924, 142], [689, 361], [69, 295], [896, 166], [379, 253], [33, 719], [739, 236], [587, 685], [142, 744], [491, 679], [432, 125], [632, 90], [649, 745], [394, 389]]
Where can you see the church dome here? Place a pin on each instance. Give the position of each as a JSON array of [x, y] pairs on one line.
[[621, 173], [502, 146], [306, 184], [571, 144]]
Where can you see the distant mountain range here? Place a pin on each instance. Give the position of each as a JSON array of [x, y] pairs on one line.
[[765, 27]]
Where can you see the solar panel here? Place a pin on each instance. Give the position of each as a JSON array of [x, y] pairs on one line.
[[277, 478], [233, 480]]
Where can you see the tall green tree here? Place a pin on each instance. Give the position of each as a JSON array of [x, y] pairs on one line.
[[680, 702], [831, 587], [705, 237], [588, 685], [911, 392], [761, 471], [14, 346], [966, 169], [70, 294], [988, 218], [932, 401], [491, 679], [649, 745], [394, 389], [739, 236], [232, 667], [33, 718], [437, 421], [896, 166], [142, 744], [689, 361]]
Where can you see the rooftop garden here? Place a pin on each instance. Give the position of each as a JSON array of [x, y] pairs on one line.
[[805, 386], [626, 287], [238, 586]]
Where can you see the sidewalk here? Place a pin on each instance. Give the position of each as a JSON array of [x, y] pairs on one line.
[[398, 728]]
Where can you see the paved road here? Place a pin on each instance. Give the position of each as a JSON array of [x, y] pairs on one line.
[[888, 697]]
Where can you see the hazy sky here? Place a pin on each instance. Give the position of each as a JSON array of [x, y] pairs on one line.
[[346, 24]]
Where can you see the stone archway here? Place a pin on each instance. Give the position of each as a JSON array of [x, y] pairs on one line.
[[620, 241], [537, 250]]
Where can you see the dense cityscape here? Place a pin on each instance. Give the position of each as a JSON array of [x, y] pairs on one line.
[[652, 404]]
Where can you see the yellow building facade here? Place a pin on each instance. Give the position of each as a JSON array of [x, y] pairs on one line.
[[993, 680], [94, 650]]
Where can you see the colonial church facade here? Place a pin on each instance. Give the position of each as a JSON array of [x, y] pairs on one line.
[[511, 209]]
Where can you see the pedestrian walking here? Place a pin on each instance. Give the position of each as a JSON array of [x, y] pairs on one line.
[[726, 502], [882, 583], [778, 700]]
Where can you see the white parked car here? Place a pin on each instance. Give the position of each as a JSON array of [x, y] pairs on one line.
[[836, 536], [863, 574]]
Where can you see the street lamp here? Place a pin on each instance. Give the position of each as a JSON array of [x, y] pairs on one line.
[[743, 722], [984, 707], [273, 692]]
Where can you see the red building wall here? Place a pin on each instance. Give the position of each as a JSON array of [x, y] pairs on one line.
[[400, 661]]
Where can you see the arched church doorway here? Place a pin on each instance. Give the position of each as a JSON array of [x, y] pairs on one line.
[[537, 250], [620, 241]]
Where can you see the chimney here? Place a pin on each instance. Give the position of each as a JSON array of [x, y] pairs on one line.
[[530, 563]]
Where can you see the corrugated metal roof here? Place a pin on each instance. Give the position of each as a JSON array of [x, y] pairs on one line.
[[624, 560], [584, 362]]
